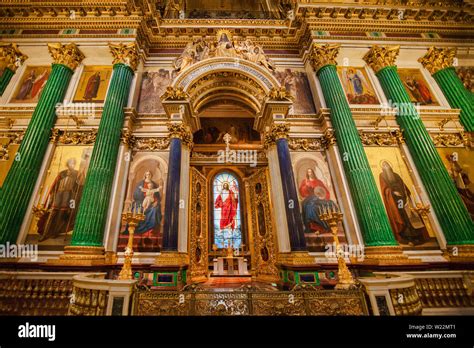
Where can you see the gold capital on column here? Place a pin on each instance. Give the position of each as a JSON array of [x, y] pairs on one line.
[[180, 131], [322, 55], [125, 53], [437, 59], [380, 57], [10, 56], [280, 131], [68, 55]]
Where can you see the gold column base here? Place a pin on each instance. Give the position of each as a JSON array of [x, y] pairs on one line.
[[80, 256], [385, 255], [296, 258], [172, 258], [460, 253]]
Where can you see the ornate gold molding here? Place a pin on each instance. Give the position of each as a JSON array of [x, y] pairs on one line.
[[437, 59], [390, 138], [176, 93], [380, 57], [68, 55], [127, 138], [180, 131], [11, 56], [328, 139], [125, 54], [151, 144], [450, 139], [322, 55], [73, 138], [280, 94]]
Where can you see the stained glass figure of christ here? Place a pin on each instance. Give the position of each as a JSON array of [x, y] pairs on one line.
[[226, 205]]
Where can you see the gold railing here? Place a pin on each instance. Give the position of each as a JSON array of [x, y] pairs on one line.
[[35, 293], [250, 303]]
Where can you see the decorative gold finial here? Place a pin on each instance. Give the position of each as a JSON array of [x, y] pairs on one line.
[[437, 59], [176, 93], [322, 55], [11, 56], [68, 55], [380, 57], [125, 54]]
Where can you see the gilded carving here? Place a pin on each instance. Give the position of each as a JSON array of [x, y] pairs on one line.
[[73, 138], [68, 54], [450, 139], [125, 54], [305, 144], [328, 139], [280, 94], [380, 57], [437, 59], [179, 130], [10, 56], [151, 144], [279, 131], [176, 93], [322, 55], [391, 138]]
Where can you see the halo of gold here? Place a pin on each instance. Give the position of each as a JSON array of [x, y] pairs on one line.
[[224, 31]]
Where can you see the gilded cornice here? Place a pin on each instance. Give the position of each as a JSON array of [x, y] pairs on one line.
[[85, 137], [437, 59], [11, 56], [125, 54], [380, 57], [387, 138], [68, 54]]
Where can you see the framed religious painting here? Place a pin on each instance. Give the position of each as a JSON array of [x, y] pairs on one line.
[[417, 87], [93, 84], [357, 86], [296, 82], [154, 83], [31, 84]]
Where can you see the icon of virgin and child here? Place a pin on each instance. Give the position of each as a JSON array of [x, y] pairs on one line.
[[147, 197]]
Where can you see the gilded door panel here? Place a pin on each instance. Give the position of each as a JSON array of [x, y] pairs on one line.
[[198, 234], [263, 239]]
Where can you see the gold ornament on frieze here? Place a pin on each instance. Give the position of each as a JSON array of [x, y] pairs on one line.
[[305, 144], [328, 139], [127, 138], [450, 139], [380, 57], [10, 56], [151, 144], [322, 55], [437, 59], [391, 138], [68, 55], [125, 54], [280, 94], [73, 138], [176, 93]]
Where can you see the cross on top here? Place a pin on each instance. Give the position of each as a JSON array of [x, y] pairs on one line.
[[227, 138]]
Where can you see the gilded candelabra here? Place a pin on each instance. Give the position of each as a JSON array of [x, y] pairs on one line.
[[332, 217], [132, 219]]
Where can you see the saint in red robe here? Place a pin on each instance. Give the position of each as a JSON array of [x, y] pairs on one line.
[[309, 185], [228, 202]]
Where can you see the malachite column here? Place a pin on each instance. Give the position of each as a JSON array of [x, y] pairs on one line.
[[11, 58], [20, 181], [179, 136], [92, 213], [452, 214], [279, 132], [439, 62], [369, 207]]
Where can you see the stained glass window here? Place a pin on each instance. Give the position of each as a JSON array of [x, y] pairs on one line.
[[226, 208]]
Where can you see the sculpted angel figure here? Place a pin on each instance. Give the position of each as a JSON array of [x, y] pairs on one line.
[[187, 57]]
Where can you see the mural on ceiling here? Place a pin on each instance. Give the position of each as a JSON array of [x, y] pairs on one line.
[[93, 84], [59, 198], [145, 193], [154, 83], [417, 87], [460, 164], [31, 84], [213, 131], [297, 83], [399, 196], [315, 192], [357, 85]]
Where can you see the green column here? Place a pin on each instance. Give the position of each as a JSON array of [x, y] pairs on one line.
[[452, 214], [439, 62], [20, 181], [92, 214], [12, 58], [368, 203], [5, 79]]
